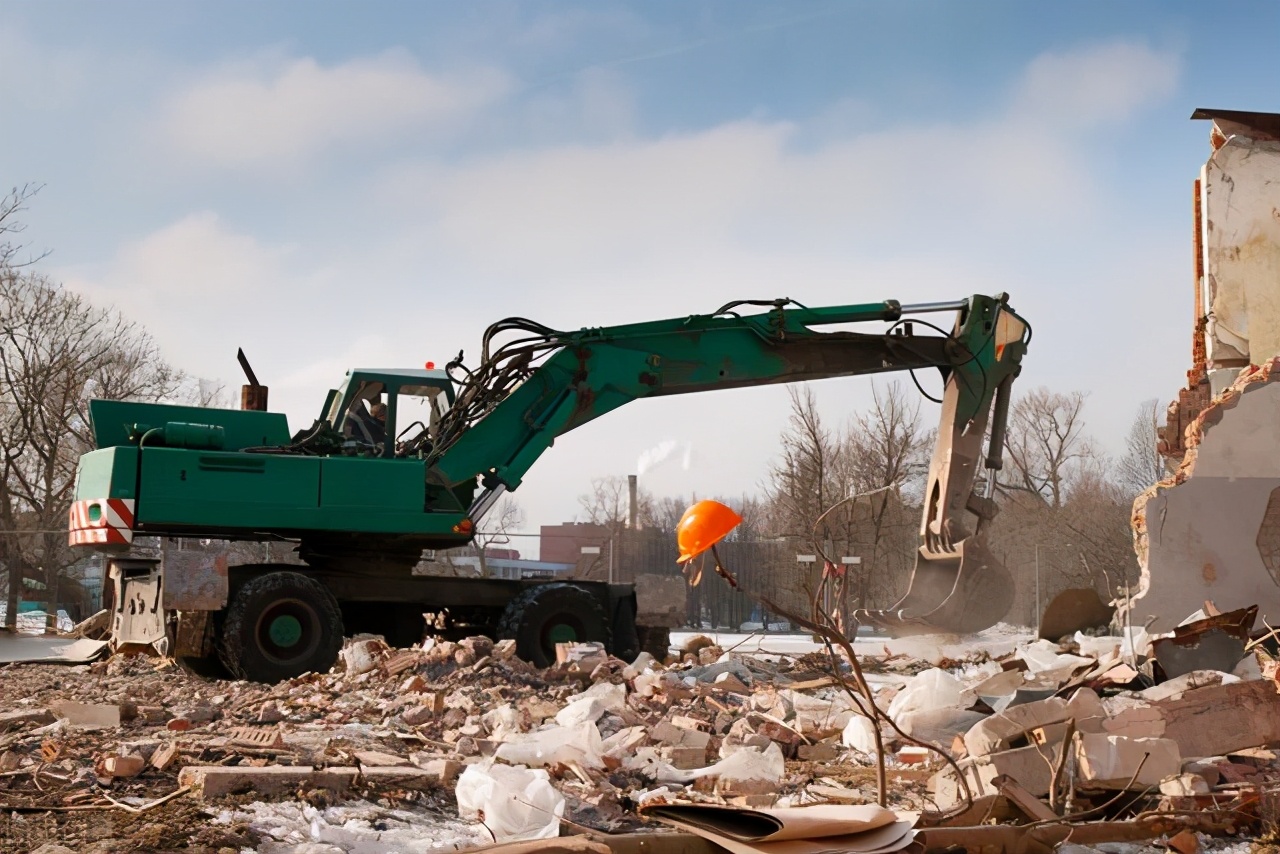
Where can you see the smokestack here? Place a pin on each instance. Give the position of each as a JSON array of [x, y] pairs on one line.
[[632, 510]]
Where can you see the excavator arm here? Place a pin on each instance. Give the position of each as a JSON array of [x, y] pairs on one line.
[[543, 383]]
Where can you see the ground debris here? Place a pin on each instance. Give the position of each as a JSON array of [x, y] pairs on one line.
[[1040, 731]]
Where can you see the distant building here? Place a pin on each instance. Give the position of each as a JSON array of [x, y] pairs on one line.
[[564, 543]]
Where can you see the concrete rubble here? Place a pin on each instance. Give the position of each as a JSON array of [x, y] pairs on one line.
[[444, 733]]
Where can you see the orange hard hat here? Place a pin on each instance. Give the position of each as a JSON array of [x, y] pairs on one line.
[[702, 526]]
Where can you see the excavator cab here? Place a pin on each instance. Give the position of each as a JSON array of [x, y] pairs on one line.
[[390, 413]]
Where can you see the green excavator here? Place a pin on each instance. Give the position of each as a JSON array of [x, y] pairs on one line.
[[400, 461]]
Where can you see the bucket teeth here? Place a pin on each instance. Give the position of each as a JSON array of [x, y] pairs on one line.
[[959, 592]]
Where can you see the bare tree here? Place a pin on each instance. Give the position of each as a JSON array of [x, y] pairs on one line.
[[853, 492], [11, 206], [1046, 444], [1142, 466], [800, 484], [884, 453], [608, 504], [55, 351]]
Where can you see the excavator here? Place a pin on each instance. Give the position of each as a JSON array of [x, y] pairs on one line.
[[360, 497]]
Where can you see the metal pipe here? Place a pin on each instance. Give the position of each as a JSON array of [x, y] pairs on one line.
[[999, 424], [932, 307], [1037, 590]]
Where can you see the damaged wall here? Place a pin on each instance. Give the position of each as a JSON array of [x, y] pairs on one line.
[[1240, 243], [1212, 530]]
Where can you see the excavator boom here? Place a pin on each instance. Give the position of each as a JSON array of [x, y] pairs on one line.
[[525, 394]]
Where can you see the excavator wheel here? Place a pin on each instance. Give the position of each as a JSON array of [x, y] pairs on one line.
[[278, 626], [547, 614]]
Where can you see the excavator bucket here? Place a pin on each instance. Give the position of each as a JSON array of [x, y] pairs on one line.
[[958, 592]]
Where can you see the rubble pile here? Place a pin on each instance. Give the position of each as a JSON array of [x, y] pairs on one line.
[[469, 736]]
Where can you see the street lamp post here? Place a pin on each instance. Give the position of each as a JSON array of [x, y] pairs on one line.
[[809, 559]]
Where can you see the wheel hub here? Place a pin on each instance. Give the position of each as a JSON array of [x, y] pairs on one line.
[[285, 630], [561, 633]]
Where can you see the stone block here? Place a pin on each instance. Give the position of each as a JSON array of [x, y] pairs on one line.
[[410, 777], [445, 770], [418, 715], [688, 758], [1029, 766], [215, 781], [164, 756], [821, 752], [88, 714], [123, 766], [1111, 761], [1206, 767]]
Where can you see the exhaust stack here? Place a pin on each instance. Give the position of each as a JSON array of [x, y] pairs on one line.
[[632, 501]]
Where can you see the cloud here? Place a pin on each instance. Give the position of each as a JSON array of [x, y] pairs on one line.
[[1100, 83], [198, 254], [200, 287], [751, 187], [251, 115]]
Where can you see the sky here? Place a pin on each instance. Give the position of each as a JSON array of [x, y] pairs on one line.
[[338, 185]]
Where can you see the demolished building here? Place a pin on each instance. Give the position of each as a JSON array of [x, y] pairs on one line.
[[1211, 530]]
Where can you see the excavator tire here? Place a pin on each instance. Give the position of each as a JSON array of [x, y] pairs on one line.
[[278, 626], [547, 614]]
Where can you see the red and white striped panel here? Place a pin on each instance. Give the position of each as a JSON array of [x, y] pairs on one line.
[[101, 521]]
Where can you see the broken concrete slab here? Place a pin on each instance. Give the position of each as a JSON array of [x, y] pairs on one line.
[[1204, 721], [42, 649], [678, 736], [411, 777], [25, 717], [87, 714], [688, 758], [1117, 762], [999, 732], [215, 781], [378, 759], [1030, 766]]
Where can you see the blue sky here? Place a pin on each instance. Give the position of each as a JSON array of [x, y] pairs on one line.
[[333, 184]]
